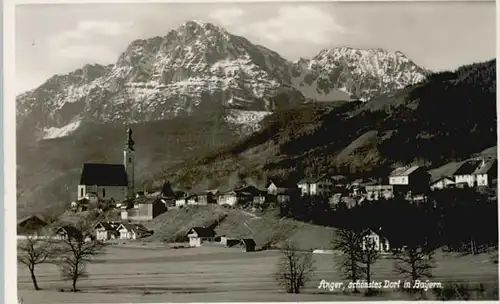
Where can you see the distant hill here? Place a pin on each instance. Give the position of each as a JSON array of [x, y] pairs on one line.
[[265, 229], [449, 117]]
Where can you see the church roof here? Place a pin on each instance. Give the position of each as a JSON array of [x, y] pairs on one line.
[[103, 175]]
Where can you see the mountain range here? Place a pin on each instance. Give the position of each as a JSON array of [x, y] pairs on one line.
[[164, 77], [206, 106]]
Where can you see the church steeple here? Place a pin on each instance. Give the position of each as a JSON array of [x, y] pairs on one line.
[[129, 163], [129, 143]]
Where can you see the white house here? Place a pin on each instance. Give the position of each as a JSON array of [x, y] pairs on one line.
[[478, 172], [486, 172], [132, 231], [377, 192], [198, 235], [106, 230], [316, 186], [378, 242], [228, 198], [410, 178], [277, 187], [442, 183], [110, 181], [180, 202], [68, 231]]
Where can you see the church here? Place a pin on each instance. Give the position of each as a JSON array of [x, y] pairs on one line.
[[105, 182]]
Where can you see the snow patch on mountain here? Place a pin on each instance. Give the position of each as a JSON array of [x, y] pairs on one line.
[[52, 133], [249, 120]]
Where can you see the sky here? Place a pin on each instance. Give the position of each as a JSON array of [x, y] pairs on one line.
[[59, 38]]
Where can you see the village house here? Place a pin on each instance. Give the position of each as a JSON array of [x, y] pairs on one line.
[[379, 192], [248, 245], [68, 231], [143, 209], [109, 181], [486, 172], [180, 202], [465, 173], [129, 231], [442, 183], [379, 243], [106, 230], [414, 178], [240, 196], [227, 241], [477, 172], [316, 186], [229, 198], [203, 198], [276, 187], [30, 225], [198, 235], [281, 190]]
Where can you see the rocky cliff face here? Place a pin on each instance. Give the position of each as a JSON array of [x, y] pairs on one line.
[[201, 63], [354, 73]]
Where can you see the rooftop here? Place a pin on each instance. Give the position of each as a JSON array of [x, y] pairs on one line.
[[404, 171], [468, 167], [103, 175]]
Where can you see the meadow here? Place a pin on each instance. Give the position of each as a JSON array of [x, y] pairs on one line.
[[144, 273]]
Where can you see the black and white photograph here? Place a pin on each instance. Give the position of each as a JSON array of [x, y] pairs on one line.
[[255, 151]]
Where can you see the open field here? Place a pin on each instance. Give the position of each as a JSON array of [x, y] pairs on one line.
[[211, 273]]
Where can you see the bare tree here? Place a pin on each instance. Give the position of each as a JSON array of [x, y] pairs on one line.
[[349, 242], [367, 257], [294, 268], [76, 253], [415, 262], [33, 251]]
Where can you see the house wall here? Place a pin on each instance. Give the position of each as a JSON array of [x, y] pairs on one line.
[[304, 188], [101, 234], [482, 179], [194, 241], [146, 212], [180, 202], [399, 180], [378, 192], [223, 240], [321, 187], [381, 244], [444, 183], [466, 178], [118, 193], [272, 189], [127, 235], [227, 200]]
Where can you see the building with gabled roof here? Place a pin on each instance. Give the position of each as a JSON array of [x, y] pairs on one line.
[[30, 225], [477, 172], [197, 235], [410, 178], [442, 182], [276, 187], [106, 230], [68, 232], [110, 181], [130, 231], [143, 208], [322, 185]]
